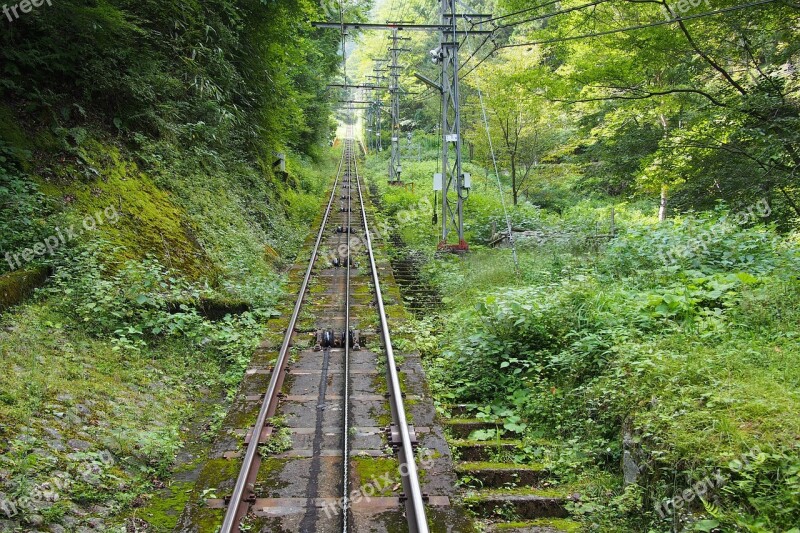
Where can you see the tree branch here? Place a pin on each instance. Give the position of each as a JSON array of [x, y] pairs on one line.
[[705, 56], [650, 94]]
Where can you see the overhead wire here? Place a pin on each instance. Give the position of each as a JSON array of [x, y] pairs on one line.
[[475, 51], [616, 30], [523, 11], [551, 15], [641, 26], [533, 19], [470, 71], [497, 175]]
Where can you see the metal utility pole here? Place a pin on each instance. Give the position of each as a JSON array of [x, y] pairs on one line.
[[378, 125], [453, 182], [452, 176], [395, 165], [369, 127], [375, 117], [378, 77], [453, 179], [378, 104]]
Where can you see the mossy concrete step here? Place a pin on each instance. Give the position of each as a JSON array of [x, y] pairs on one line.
[[496, 475], [543, 525], [16, 286], [462, 428], [473, 451], [526, 505], [459, 410]]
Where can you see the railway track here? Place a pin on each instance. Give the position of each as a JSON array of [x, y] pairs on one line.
[[321, 440]]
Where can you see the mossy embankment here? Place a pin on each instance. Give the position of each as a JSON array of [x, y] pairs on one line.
[[123, 342]]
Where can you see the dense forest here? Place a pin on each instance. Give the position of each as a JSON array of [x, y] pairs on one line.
[[161, 163], [700, 110]]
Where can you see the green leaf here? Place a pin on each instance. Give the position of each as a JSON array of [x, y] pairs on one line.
[[483, 434], [515, 428], [706, 525], [746, 278]]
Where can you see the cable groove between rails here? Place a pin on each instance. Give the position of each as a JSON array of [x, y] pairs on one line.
[[239, 505]]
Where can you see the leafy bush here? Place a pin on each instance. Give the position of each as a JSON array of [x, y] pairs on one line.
[[22, 207], [708, 243], [694, 360], [140, 303]]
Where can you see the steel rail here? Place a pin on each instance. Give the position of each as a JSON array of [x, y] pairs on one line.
[[346, 395], [415, 505], [238, 506]]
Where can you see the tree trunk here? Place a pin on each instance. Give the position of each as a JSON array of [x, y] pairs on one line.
[[662, 211], [514, 179], [790, 201]]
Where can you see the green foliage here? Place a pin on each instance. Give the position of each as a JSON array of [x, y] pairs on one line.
[[680, 330], [140, 303], [221, 74], [711, 243], [280, 441], [22, 206], [616, 152]]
